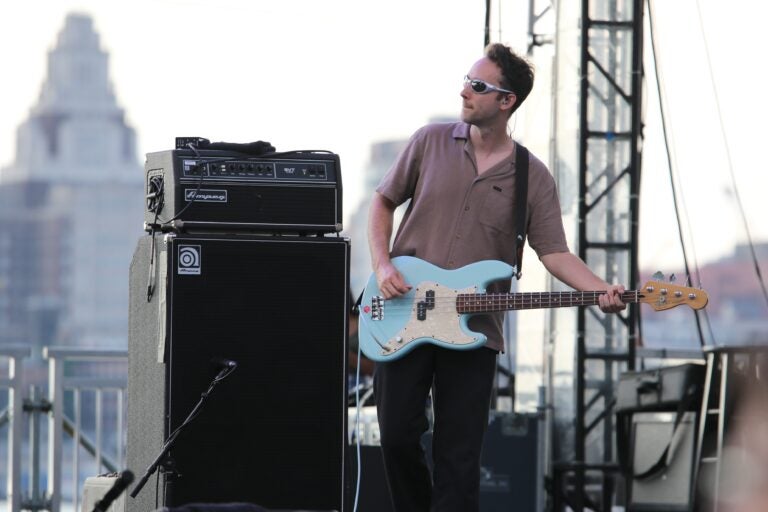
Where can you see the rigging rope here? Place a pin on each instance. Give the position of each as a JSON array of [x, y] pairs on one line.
[[728, 157], [667, 147]]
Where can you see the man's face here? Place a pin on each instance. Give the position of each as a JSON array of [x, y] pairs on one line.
[[479, 108]]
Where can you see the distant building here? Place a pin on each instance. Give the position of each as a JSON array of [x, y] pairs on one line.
[[71, 205], [383, 155]]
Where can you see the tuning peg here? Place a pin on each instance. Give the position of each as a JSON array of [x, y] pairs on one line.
[[658, 276], [672, 278]]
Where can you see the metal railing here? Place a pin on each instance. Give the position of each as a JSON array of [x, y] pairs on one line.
[[85, 437], [12, 416], [73, 373]]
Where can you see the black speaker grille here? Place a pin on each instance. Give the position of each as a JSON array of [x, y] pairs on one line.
[[265, 205], [273, 433]]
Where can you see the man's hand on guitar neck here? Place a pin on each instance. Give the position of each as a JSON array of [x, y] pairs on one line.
[[611, 302], [390, 280], [571, 270]]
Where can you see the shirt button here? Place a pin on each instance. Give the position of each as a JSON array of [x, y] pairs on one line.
[[466, 208], [458, 236]]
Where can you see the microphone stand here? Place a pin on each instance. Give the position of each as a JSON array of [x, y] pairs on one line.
[[223, 374]]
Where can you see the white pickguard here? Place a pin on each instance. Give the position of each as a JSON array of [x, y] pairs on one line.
[[442, 322]]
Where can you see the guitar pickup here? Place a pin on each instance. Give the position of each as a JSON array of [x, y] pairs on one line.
[[421, 311], [424, 305], [430, 299], [377, 307]]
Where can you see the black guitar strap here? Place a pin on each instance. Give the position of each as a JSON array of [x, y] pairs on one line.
[[521, 204]]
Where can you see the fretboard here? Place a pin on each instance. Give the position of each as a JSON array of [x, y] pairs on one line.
[[488, 302]]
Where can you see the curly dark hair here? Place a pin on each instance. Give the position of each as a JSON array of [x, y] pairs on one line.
[[516, 72]]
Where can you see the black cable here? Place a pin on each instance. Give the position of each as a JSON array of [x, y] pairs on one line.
[[157, 491], [151, 272], [200, 168], [160, 193], [295, 153], [159, 196], [671, 171]]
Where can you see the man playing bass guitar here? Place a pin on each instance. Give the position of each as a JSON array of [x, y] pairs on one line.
[[460, 178]]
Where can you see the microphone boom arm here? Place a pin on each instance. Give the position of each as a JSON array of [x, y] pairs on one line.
[[224, 373]]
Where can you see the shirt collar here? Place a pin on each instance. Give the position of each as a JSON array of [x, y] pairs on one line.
[[461, 130]]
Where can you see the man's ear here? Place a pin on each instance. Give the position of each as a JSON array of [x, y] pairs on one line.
[[507, 102]]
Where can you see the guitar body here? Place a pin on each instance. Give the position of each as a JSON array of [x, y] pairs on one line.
[[428, 313]]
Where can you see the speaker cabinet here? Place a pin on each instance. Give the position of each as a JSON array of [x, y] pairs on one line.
[[668, 490], [510, 477], [507, 479], [273, 433]]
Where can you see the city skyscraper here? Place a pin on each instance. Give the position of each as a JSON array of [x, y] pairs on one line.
[[71, 205]]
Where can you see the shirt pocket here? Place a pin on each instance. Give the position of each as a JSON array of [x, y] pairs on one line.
[[497, 209]]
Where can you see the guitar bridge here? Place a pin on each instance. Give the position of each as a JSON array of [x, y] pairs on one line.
[[377, 307]]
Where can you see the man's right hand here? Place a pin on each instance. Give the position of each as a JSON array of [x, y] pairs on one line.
[[390, 280]]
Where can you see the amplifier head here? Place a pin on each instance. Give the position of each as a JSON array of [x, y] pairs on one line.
[[215, 191]]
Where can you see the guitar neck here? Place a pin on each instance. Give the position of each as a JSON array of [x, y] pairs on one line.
[[490, 302]]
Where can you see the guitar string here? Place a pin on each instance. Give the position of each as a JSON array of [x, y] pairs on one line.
[[486, 299], [632, 295], [489, 302]]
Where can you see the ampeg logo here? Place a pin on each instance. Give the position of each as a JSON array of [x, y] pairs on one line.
[[205, 195], [189, 259]]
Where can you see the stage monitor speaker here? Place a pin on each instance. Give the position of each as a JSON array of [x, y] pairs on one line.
[[510, 476], [273, 433], [670, 489], [510, 472]]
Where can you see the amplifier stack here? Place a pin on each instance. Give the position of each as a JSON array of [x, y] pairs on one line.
[[243, 263]]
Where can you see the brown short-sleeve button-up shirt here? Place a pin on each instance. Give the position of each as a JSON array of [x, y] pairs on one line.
[[457, 217]]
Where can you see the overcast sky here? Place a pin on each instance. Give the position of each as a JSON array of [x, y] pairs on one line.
[[341, 74]]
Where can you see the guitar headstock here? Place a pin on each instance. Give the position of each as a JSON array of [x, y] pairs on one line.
[[662, 296]]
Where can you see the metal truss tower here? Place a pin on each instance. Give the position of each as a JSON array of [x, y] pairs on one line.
[[607, 171], [610, 137]]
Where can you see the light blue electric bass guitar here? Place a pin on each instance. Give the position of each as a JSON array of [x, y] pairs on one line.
[[437, 308]]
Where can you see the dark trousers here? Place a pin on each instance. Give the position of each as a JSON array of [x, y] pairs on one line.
[[462, 382]]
